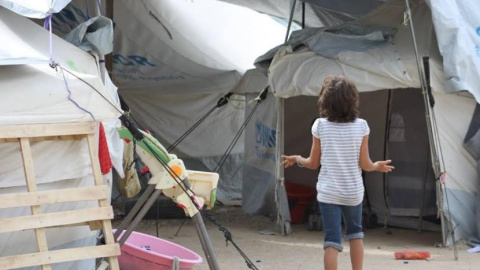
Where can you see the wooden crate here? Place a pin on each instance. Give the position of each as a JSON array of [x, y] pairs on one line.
[[38, 221]]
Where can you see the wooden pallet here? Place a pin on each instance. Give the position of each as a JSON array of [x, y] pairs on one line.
[[25, 134]]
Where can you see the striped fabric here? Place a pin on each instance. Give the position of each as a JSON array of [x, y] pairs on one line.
[[340, 178]]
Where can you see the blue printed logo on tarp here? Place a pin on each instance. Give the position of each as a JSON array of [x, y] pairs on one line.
[[477, 48], [266, 141]]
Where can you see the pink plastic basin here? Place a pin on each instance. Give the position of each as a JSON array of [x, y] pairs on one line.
[[142, 251]]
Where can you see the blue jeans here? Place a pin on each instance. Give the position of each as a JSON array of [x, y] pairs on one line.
[[332, 223]]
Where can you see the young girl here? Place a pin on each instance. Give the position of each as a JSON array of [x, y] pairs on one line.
[[340, 145]]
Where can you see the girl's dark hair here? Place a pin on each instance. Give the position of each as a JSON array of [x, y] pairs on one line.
[[338, 100]]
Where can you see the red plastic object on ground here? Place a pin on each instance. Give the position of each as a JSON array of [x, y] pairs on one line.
[[300, 198], [412, 255]]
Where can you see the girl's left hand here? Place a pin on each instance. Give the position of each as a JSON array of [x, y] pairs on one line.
[[289, 161]]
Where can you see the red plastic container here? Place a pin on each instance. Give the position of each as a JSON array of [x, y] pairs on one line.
[[300, 199]]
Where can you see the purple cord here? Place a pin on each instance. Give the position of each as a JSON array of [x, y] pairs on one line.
[[48, 24], [88, 9], [47, 21], [100, 7], [73, 101], [51, 41]]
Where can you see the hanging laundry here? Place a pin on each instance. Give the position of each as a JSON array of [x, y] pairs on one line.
[[129, 185], [103, 153]]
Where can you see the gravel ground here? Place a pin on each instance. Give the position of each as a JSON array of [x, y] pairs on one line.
[[302, 249]]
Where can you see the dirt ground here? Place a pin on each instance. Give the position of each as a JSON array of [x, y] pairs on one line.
[[302, 249]]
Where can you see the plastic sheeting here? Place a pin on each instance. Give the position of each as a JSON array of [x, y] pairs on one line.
[[262, 192], [317, 12], [458, 34], [96, 34], [200, 60], [35, 9], [170, 116], [291, 74], [329, 42], [35, 93], [391, 67], [193, 57]]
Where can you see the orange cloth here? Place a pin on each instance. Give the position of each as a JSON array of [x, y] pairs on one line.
[[412, 255]]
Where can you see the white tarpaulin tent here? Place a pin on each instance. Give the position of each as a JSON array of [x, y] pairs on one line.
[[35, 93], [390, 63], [173, 61], [172, 64], [193, 60], [447, 32]]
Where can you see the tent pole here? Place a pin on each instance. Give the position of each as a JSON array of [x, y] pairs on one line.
[[421, 77], [303, 15], [433, 150], [385, 155], [292, 11], [101, 58], [424, 187], [280, 176], [109, 57], [426, 68], [280, 140]]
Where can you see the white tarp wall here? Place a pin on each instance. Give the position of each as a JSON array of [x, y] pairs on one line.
[[35, 9], [174, 60], [458, 33], [393, 66], [33, 92], [262, 193]]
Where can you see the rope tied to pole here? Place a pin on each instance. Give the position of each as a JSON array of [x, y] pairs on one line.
[[260, 98], [221, 102]]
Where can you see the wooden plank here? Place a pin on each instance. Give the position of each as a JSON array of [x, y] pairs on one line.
[[97, 174], [46, 130], [38, 221], [54, 196], [58, 256], [48, 138], [55, 219], [27, 158]]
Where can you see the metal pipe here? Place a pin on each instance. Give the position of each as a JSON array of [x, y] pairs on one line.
[[292, 11], [386, 152], [205, 241], [424, 187], [133, 212], [101, 58], [433, 152], [303, 15], [280, 173], [140, 216], [421, 77]]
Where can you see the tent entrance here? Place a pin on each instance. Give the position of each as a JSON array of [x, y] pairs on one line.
[[398, 132]]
